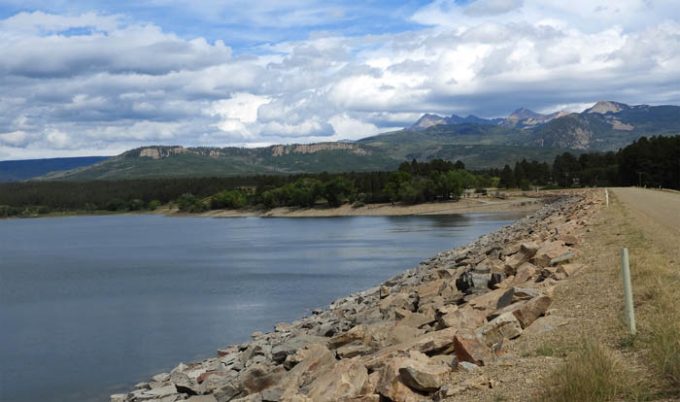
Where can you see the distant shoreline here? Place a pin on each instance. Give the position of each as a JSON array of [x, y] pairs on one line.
[[466, 205]]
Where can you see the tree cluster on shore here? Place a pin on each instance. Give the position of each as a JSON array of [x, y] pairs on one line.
[[412, 183], [653, 162]]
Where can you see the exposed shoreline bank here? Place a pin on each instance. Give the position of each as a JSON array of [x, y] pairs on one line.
[[413, 338], [466, 205]]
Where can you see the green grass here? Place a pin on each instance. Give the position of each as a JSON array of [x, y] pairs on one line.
[[591, 374]]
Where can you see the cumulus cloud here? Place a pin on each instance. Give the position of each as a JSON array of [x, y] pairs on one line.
[[98, 84]]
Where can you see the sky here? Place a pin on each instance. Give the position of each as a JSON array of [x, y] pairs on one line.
[[100, 77]]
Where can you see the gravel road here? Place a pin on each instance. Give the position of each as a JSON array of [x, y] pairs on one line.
[[663, 207]]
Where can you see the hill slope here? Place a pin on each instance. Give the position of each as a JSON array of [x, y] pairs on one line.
[[26, 169], [480, 143], [176, 161]]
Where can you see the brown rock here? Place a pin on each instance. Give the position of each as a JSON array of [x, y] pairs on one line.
[[464, 318], [505, 326], [430, 288], [546, 324], [185, 384], [435, 342], [356, 333], [390, 385], [548, 251], [399, 334], [468, 348], [414, 320], [353, 349], [569, 269], [525, 272], [421, 376], [346, 379], [227, 392], [259, 377], [313, 359], [291, 345], [487, 301], [528, 312], [395, 301], [554, 273], [525, 253]]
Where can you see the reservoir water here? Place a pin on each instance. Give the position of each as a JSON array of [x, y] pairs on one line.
[[91, 305]]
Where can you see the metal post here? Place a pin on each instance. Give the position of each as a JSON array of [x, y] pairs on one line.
[[628, 291], [606, 196]]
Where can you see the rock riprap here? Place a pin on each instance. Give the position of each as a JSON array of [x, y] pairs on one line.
[[402, 340]]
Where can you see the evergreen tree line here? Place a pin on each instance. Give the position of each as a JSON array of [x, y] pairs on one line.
[[651, 162], [412, 183]]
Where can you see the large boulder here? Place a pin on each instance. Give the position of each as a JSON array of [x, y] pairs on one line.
[[259, 377], [435, 342], [468, 348], [414, 320], [462, 318], [346, 379], [227, 391], [525, 273], [505, 326], [473, 282], [430, 289], [548, 251], [185, 384], [292, 345], [422, 376], [358, 333], [390, 385], [530, 311], [525, 253], [313, 358], [401, 300]]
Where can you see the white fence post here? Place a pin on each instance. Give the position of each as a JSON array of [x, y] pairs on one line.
[[606, 196], [628, 291]]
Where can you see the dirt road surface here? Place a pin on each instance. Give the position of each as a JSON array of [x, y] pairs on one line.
[[663, 207]]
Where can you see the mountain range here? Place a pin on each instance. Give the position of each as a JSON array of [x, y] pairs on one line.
[[477, 141]]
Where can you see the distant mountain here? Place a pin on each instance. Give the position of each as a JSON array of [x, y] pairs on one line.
[[479, 142], [604, 107], [18, 170], [430, 120], [520, 118], [525, 118], [608, 126]]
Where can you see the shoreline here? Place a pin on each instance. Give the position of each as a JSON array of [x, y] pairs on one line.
[[465, 205], [462, 206], [442, 319]]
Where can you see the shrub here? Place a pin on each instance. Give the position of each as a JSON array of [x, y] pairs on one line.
[[189, 203], [231, 199]]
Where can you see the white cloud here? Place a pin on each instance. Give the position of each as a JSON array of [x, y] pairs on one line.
[[116, 83], [15, 138], [349, 128], [58, 139], [237, 113]]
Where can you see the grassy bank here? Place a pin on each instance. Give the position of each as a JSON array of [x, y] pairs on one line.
[[604, 363]]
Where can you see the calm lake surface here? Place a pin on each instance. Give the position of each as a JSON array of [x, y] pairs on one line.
[[91, 305]]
